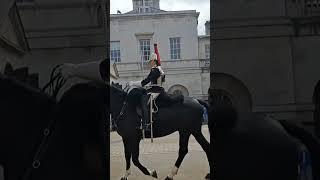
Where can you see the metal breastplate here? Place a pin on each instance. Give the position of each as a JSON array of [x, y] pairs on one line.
[[159, 80]]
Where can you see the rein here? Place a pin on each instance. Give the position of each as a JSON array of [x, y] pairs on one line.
[[42, 148], [47, 132], [124, 106], [122, 109]]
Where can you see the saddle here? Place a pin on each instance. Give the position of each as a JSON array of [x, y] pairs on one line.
[[159, 103]]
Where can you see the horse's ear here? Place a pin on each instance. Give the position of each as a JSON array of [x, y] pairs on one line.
[[8, 69]]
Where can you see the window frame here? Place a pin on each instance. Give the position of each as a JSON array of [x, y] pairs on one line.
[[207, 51], [144, 57], [115, 51], [175, 48]]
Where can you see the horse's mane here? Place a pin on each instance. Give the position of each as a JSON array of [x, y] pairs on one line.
[[12, 87], [119, 90]]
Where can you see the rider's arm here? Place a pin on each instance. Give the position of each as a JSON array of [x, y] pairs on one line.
[[154, 74]]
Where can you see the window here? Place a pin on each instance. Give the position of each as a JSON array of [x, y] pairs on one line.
[[139, 2], [115, 51], [147, 2], [144, 49], [207, 51], [177, 92], [312, 6], [175, 48], [312, 3]]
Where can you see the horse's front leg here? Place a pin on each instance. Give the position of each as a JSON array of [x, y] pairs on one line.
[[183, 150], [127, 153], [206, 147], [136, 162]]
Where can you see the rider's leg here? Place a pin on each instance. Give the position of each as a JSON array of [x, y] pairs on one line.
[[145, 113]]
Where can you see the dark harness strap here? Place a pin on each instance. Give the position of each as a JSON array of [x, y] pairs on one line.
[[42, 148], [125, 103]]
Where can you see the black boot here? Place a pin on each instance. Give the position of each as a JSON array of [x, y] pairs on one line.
[[145, 112]]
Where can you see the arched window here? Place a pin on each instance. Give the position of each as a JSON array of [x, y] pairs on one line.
[[178, 90], [219, 96]]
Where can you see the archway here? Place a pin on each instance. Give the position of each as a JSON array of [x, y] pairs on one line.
[[178, 89], [221, 96], [232, 90]]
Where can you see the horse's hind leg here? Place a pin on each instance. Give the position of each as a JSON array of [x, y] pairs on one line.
[[183, 150], [204, 144], [136, 162], [127, 153]]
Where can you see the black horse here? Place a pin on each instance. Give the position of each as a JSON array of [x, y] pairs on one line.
[[186, 118], [316, 112], [44, 139], [249, 146]]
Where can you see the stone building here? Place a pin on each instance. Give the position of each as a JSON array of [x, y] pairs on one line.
[[13, 43], [266, 56], [57, 32], [182, 51]]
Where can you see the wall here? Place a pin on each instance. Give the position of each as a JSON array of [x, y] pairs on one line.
[[123, 29]]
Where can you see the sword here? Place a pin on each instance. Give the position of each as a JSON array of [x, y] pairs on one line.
[[151, 121]]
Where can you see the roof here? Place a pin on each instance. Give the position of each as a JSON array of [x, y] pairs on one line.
[[155, 10], [133, 14]]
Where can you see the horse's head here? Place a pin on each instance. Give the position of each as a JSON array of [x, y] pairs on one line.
[[117, 98]]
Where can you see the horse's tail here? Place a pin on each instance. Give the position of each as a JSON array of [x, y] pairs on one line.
[[203, 103], [205, 110]]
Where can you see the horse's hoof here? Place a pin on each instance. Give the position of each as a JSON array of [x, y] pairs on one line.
[[124, 178], [167, 178], [207, 176], [154, 174]]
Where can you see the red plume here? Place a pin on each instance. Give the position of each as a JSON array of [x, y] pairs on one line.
[[157, 53]]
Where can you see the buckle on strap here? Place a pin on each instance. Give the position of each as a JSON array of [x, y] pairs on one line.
[[122, 109]]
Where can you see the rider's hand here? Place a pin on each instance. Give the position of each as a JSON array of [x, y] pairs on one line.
[[67, 70]]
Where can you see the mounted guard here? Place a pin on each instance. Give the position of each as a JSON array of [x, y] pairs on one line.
[[154, 91]]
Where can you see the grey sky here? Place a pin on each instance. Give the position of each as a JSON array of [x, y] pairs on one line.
[[202, 6]]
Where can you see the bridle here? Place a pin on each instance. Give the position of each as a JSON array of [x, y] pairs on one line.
[[48, 131], [124, 106]]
